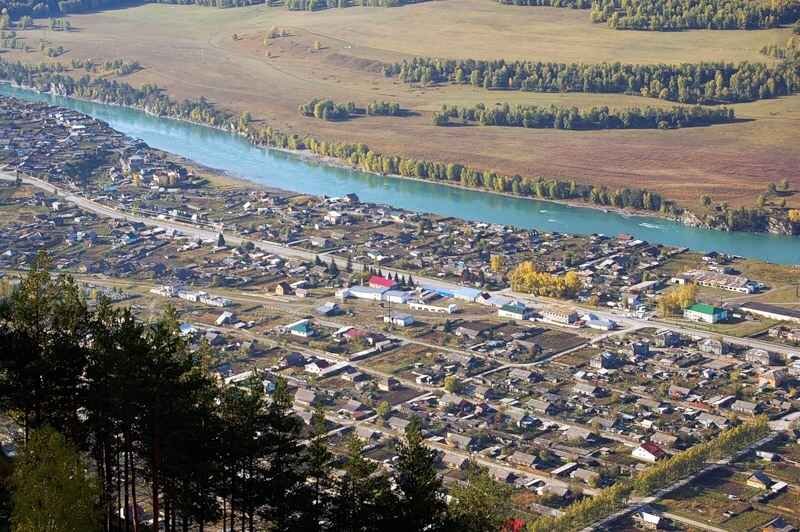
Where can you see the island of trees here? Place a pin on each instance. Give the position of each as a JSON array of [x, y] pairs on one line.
[[560, 117], [701, 83], [325, 109]]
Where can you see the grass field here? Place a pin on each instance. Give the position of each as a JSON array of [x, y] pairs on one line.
[[191, 52]]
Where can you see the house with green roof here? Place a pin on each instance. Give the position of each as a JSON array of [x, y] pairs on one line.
[[705, 313]]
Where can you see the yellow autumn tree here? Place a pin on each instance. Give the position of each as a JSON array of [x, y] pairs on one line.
[[794, 216], [677, 299], [526, 278], [497, 263]]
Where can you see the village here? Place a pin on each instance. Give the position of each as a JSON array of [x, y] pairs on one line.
[[375, 315]]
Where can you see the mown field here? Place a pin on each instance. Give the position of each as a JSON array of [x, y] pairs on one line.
[[191, 51]]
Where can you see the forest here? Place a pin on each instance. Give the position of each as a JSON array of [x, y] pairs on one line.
[[676, 15], [134, 416], [561, 117], [701, 83], [658, 15]]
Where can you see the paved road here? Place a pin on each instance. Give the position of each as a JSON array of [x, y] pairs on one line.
[[287, 251]]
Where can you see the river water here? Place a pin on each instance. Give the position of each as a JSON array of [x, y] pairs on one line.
[[234, 155]]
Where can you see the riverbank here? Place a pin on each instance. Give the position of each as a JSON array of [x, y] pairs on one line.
[[235, 156], [360, 158]]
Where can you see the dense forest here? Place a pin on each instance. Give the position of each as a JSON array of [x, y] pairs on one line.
[[660, 15], [533, 116], [117, 414], [702, 83], [674, 15]]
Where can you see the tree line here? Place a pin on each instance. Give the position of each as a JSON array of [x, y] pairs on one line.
[[115, 410], [562, 117], [574, 4], [701, 83], [317, 5], [55, 8], [681, 465], [676, 15], [657, 15]]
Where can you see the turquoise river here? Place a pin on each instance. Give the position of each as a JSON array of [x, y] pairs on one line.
[[237, 157]]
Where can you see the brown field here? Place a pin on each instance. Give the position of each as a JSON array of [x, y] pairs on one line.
[[191, 52]]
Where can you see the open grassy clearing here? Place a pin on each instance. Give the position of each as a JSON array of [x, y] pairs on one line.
[[191, 52]]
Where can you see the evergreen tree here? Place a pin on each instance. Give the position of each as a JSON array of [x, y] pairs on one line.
[[421, 495]]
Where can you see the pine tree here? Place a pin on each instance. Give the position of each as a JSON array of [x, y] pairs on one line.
[[422, 506]]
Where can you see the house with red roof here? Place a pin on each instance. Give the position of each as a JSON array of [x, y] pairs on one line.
[[376, 281], [649, 452]]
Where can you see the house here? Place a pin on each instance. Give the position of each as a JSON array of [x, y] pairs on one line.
[[774, 378], [760, 357], [294, 360], [514, 311], [364, 292], [589, 390], [543, 407], [302, 328], [746, 407], [585, 475], [564, 470], [328, 309], [705, 313], [713, 346], [778, 524], [305, 398], [455, 461], [649, 452], [388, 384], [399, 320], [664, 440], [523, 459], [562, 317], [760, 480], [377, 281], [460, 441], [224, 318], [667, 338], [398, 424], [648, 519], [605, 360], [355, 409], [283, 289], [367, 434]]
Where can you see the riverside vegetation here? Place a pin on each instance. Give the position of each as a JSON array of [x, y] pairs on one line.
[[54, 78]]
